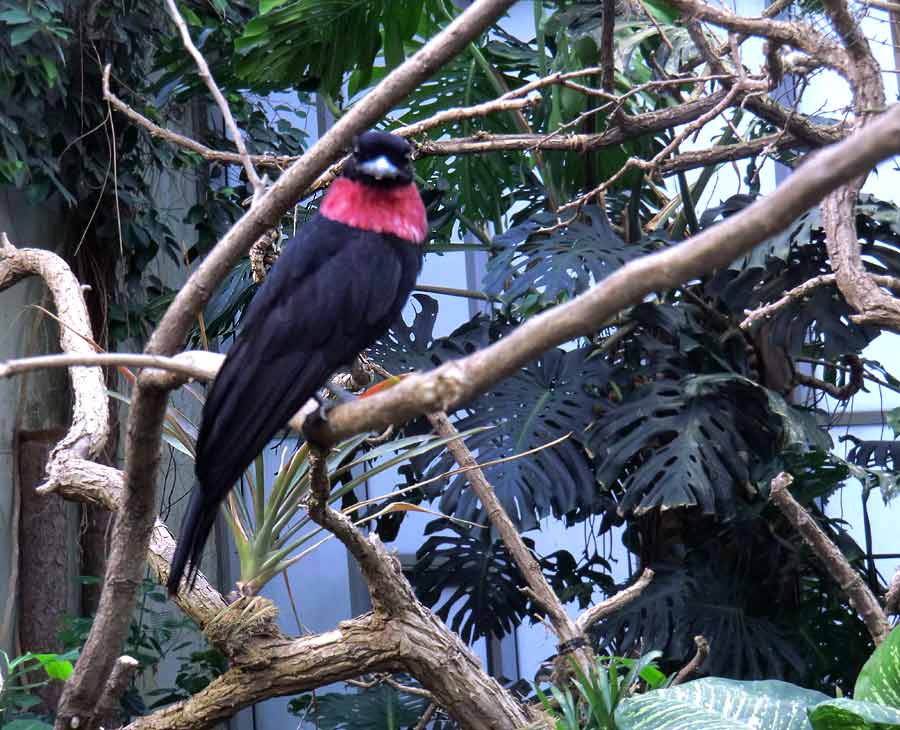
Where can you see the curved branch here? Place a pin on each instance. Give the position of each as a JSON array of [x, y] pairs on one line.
[[90, 411], [798, 35], [612, 604]]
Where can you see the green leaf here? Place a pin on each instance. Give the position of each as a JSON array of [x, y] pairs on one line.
[[190, 16], [22, 34], [720, 704], [266, 5], [50, 70], [55, 665], [879, 679], [844, 714], [15, 16], [662, 11]]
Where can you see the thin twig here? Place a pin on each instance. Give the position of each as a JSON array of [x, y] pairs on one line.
[[183, 364], [802, 290], [614, 603], [426, 717], [204, 73], [690, 669]]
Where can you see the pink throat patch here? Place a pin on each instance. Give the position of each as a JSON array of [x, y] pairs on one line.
[[398, 211]]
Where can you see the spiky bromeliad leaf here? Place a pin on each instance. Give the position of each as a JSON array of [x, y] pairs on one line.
[[720, 704], [563, 262], [547, 399], [675, 446], [482, 580]]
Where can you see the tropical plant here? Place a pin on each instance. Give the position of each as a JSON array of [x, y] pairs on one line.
[[19, 677], [600, 692]]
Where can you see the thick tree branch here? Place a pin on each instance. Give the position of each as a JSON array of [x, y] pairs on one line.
[[90, 411], [568, 633], [458, 381], [861, 598], [860, 289]]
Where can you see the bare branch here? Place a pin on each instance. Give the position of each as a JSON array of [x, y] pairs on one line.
[[892, 597], [196, 364], [458, 381], [795, 34], [608, 46], [389, 590], [859, 288], [204, 73], [844, 392], [207, 153], [690, 669], [802, 290], [109, 706], [861, 598], [771, 111], [614, 603], [565, 628]]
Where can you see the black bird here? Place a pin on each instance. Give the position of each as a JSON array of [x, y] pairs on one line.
[[337, 286]]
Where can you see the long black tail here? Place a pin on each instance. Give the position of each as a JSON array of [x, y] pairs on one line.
[[195, 529]]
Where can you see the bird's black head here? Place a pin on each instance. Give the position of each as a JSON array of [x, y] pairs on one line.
[[380, 159]]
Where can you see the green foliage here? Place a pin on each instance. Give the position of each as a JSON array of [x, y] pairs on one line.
[[879, 680], [19, 677], [154, 635], [720, 704], [270, 57], [378, 708], [599, 693]]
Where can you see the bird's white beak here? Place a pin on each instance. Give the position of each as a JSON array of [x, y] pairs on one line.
[[380, 167]]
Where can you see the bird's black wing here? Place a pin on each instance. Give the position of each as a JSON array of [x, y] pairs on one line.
[[333, 291]]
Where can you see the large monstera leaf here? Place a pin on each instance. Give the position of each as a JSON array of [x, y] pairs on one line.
[[676, 444], [550, 398], [685, 600], [560, 263], [823, 316], [469, 573]]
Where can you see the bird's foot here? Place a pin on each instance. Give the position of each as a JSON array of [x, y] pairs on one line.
[[339, 395], [319, 417]]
